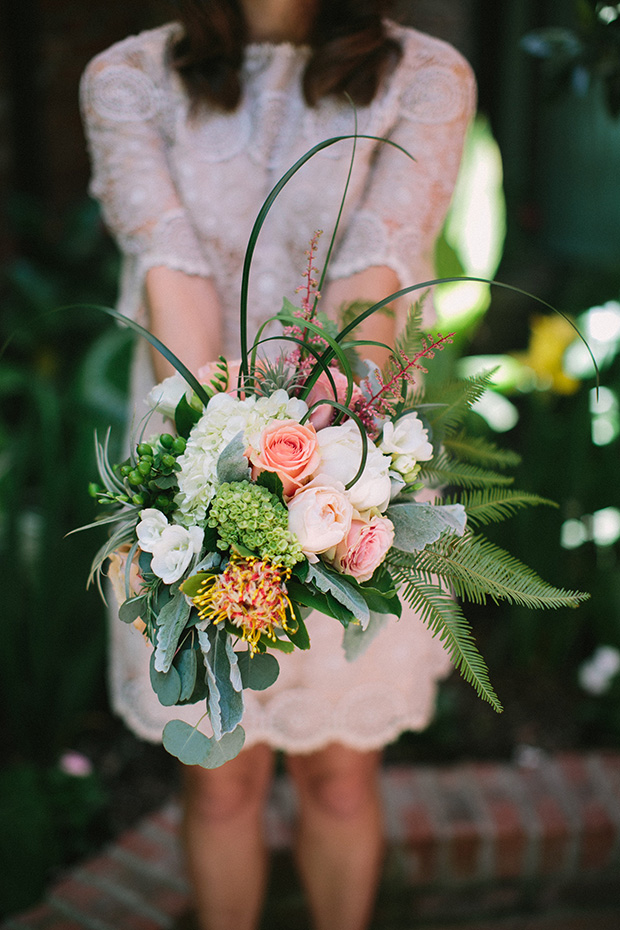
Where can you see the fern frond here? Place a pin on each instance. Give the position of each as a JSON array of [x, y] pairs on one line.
[[492, 505], [480, 451], [444, 618], [454, 401], [409, 341], [477, 569], [442, 470]]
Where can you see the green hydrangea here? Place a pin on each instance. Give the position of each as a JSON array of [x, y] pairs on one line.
[[251, 516]]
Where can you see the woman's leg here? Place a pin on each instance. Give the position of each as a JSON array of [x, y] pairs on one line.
[[224, 843], [340, 839]]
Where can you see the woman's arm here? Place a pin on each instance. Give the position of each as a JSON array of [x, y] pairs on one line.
[[184, 312], [372, 285]]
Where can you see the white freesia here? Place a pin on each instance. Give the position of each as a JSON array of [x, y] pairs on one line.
[[165, 396], [404, 464], [224, 418], [152, 524], [174, 551], [320, 515], [407, 436], [341, 455]]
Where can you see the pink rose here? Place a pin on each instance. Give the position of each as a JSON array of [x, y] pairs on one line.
[[288, 449], [364, 548], [323, 390], [320, 516]]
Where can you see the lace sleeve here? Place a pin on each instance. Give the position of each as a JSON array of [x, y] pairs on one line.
[[405, 203], [123, 111]]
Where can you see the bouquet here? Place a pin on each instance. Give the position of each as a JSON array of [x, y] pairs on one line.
[[290, 484]]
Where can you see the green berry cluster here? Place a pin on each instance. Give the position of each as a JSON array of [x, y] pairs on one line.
[[251, 516], [150, 480]]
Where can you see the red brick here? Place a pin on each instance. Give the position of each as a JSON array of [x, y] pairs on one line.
[[89, 900], [510, 838], [166, 856], [463, 828], [597, 829], [555, 833], [45, 917], [157, 892], [422, 843]]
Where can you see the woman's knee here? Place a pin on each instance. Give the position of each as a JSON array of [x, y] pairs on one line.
[[236, 790], [338, 786]]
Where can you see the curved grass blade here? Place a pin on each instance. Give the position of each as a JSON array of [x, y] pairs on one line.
[[163, 350], [426, 284], [353, 416], [260, 219]]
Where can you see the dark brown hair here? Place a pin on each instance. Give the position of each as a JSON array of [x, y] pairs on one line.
[[350, 50]]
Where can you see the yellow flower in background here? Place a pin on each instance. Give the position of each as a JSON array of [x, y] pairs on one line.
[[550, 337]]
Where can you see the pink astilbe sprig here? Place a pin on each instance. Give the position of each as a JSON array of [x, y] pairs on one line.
[[309, 289], [310, 296], [383, 402]]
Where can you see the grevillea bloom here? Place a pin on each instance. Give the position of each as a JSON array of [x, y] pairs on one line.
[[365, 547], [251, 594], [288, 449]]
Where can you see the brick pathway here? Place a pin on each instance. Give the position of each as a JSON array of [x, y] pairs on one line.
[[472, 846]]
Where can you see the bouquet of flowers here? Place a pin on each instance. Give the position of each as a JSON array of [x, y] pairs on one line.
[[292, 484]]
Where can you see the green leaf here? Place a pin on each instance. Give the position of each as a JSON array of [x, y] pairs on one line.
[[185, 417], [224, 749], [480, 451], [476, 569], [225, 700], [444, 618], [258, 672], [298, 632], [186, 743], [273, 483], [186, 664], [171, 622], [191, 586], [380, 593], [192, 747], [166, 685], [355, 640], [337, 585], [417, 525], [326, 603], [442, 470], [496, 504], [232, 464], [131, 609]]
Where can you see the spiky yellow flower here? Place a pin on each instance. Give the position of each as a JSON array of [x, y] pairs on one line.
[[250, 594]]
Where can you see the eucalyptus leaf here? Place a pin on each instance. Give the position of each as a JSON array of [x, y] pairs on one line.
[[417, 525], [232, 464], [258, 672], [325, 603], [171, 623], [186, 743], [132, 608], [338, 587], [166, 685], [224, 749]]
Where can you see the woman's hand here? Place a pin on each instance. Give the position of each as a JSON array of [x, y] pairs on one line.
[[371, 285], [184, 312]]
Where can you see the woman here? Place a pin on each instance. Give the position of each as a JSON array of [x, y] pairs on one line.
[[189, 127]]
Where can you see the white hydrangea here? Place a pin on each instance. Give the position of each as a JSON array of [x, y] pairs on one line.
[[224, 418]]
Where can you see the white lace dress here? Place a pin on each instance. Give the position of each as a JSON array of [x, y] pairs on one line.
[[184, 193]]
